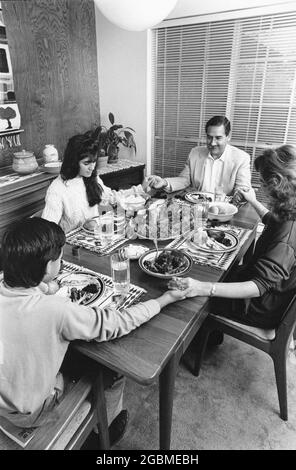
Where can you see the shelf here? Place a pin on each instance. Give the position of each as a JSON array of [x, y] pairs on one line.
[[12, 132]]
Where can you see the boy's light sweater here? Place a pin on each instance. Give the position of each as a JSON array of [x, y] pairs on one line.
[[35, 331]]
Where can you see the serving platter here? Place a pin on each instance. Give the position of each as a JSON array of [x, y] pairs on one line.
[[229, 237], [198, 196], [89, 287], [147, 259]]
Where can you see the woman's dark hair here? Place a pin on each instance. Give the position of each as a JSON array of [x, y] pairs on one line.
[[80, 147], [219, 121], [277, 168], [27, 246]]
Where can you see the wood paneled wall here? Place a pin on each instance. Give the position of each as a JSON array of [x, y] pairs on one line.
[[53, 52]]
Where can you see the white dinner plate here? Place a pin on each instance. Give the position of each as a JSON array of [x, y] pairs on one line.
[[197, 196], [69, 281], [229, 236]]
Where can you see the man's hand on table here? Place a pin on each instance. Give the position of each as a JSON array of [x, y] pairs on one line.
[[156, 182]]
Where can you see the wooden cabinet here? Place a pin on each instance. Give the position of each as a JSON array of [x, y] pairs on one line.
[[23, 198]]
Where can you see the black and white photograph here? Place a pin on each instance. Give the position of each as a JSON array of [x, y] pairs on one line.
[[148, 229]]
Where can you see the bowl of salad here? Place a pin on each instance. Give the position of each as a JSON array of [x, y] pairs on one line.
[[165, 263]]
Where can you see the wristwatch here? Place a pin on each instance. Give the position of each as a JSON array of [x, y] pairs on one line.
[[213, 290]]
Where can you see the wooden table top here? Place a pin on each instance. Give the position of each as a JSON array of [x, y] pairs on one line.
[[142, 354]]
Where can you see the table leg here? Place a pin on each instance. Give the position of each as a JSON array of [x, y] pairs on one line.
[[101, 410], [166, 398]]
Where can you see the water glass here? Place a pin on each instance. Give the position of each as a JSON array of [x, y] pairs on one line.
[[201, 210], [104, 229], [219, 193], [120, 272]]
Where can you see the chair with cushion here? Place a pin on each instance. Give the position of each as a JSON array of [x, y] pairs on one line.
[[274, 342], [82, 408]]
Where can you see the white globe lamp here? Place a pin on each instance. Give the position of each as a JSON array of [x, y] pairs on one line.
[[135, 15]]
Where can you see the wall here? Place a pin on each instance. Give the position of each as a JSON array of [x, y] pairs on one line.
[[122, 79], [123, 58], [196, 7], [53, 52]]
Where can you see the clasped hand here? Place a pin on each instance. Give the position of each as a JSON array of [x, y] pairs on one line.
[[155, 182], [188, 286]]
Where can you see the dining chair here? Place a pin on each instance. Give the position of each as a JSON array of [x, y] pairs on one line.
[[274, 342], [37, 214], [78, 413]]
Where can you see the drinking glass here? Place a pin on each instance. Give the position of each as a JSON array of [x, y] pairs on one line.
[[120, 272], [201, 210], [104, 229], [219, 193]]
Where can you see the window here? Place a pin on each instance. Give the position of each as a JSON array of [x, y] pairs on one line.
[[242, 68]]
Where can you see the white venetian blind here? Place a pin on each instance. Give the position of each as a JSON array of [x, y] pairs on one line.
[[242, 68]]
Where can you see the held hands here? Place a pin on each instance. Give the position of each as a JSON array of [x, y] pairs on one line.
[[156, 182], [248, 194], [189, 287]]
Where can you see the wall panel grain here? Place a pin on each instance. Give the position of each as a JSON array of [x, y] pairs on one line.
[[53, 51]]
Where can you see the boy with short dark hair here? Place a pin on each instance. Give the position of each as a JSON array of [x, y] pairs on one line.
[[36, 328]]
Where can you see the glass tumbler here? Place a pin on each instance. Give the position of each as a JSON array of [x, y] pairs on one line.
[[219, 193], [120, 273], [201, 210], [104, 230]]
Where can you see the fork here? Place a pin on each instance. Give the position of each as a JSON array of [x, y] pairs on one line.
[[156, 246], [184, 237]]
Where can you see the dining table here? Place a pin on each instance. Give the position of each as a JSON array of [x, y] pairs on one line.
[[152, 352]]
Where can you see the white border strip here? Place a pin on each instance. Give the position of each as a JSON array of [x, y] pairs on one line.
[[229, 15], [149, 104]]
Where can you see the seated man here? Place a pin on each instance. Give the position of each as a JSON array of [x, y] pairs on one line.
[[216, 164]]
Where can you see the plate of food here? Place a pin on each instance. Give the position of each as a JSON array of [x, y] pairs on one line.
[[165, 263], [82, 288], [213, 241], [197, 196], [52, 167], [89, 225]]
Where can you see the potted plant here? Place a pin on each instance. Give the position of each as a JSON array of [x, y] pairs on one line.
[[109, 139]]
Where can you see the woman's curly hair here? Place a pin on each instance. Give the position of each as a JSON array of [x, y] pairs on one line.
[[277, 168], [79, 147]]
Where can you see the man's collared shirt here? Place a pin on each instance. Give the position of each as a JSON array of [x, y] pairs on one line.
[[213, 172]]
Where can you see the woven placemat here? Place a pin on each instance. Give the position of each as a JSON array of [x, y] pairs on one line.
[[215, 260], [79, 237], [134, 295]]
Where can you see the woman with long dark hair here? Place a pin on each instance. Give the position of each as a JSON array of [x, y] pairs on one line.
[[74, 196], [258, 293]]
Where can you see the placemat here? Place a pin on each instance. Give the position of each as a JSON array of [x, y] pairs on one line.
[[79, 237], [15, 177], [134, 295], [216, 260]]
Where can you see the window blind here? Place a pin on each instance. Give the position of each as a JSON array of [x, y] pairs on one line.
[[242, 68]]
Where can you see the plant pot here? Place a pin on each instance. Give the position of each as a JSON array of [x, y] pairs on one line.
[[102, 162], [113, 155]]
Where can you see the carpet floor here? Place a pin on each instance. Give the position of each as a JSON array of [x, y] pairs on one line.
[[232, 405]]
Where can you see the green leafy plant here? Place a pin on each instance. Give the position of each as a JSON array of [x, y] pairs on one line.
[[109, 139]]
